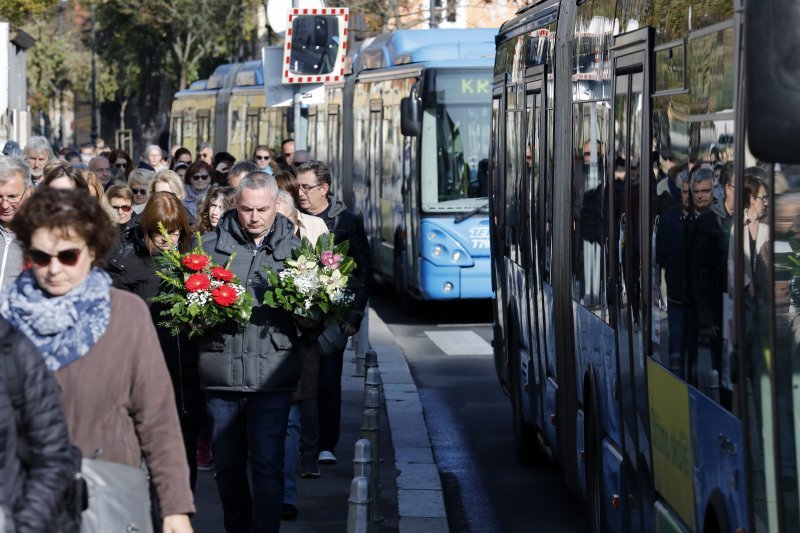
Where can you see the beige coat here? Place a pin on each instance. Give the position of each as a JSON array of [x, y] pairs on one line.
[[118, 398]]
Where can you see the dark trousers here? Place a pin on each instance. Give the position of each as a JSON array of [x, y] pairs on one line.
[[249, 426], [329, 401]]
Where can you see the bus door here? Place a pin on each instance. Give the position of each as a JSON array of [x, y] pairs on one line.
[[373, 167], [628, 194], [534, 160], [497, 212]]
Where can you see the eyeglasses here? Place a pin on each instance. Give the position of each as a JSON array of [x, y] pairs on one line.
[[287, 155], [13, 199], [762, 199], [65, 257], [201, 177], [123, 208], [306, 188], [121, 165], [139, 191], [262, 157]]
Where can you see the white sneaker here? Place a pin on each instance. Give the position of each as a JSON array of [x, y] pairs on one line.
[[326, 458]]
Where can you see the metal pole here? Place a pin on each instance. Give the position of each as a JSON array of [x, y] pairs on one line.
[[93, 133], [299, 138]]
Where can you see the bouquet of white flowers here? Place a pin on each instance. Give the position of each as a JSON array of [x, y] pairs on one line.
[[314, 283]]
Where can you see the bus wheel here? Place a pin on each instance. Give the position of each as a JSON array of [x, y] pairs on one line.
[[525, 444], [594, 468]]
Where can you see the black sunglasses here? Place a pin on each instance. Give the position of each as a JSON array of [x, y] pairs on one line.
[[139, 191], [121, 165], [262, 157], [65, 257], [201, 177], [123, 208]]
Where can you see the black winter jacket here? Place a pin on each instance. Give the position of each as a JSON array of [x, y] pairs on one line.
[[347, 226], [30, 499], [260, 357], [132, 269]]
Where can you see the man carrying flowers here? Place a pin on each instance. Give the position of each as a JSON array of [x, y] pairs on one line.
[[249, 372]]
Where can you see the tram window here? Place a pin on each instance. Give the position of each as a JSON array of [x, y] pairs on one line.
[[671, 68], [710, 63], [251, 133], [589, 192]]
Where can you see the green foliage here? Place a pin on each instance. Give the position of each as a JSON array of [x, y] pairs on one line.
[[18, 11]]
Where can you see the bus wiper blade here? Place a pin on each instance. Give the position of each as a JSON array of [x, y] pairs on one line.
[[464, 216]]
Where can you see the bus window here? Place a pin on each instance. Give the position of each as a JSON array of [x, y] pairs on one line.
[[590, 121], [455, 125], [782, 215]]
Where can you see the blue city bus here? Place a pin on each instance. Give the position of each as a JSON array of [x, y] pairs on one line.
[[406, 138], [645, 256], [418, 176]]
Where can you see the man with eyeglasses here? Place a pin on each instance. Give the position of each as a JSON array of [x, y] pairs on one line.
[[15, 181], [102, 169], [314, 181]]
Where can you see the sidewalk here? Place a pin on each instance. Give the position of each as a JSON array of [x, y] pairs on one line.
[[411, 494]]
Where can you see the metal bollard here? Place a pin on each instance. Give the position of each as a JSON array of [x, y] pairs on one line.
[[371, 359], [373, 379], [360, 366], [362, 460], [370, 430], [359, 519]]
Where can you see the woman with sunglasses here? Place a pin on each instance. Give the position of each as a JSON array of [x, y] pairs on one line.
[[119, 159], [196, 183], [139, 183], [120, 198], [132, 268], [107, 360]]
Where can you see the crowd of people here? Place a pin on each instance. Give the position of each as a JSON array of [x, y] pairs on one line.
[[81, 233]]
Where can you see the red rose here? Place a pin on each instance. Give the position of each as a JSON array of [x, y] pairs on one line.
[[224, 295], [222, 274], [196, 262], [197, 282]]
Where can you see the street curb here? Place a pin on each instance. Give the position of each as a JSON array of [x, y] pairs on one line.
[[420, 500]]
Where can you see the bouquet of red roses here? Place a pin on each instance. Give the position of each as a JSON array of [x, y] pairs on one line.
[[199, 294]]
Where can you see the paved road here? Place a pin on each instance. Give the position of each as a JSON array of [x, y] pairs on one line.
[[469, 420]]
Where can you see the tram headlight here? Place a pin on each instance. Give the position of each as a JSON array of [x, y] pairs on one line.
[[437, 251], [447, 287], [456, 256]]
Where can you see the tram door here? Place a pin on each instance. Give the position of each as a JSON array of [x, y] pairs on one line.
[[630, 218]]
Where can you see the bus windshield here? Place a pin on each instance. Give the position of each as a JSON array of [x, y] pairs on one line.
[[456, 128]]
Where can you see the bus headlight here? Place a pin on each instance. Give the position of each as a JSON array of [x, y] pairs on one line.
[[432, 235], [456, 256], [437, 251], [447, 287]]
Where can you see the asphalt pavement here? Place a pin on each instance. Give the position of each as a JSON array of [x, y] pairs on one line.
[[410, 496]]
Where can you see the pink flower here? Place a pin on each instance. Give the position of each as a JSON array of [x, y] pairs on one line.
[[328, 259]]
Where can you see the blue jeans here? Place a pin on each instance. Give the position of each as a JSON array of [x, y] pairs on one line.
[[292, 444], [249, 425], [329, 401]]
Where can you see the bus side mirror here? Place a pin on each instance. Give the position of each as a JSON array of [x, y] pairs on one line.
[[410, 116], [772, 79]]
